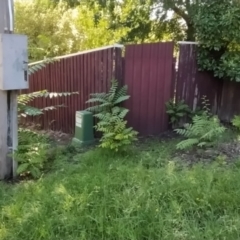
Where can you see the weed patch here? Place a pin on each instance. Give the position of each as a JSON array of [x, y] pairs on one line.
[[142, 194]]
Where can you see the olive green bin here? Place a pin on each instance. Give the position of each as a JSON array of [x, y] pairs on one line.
[[84, 128]]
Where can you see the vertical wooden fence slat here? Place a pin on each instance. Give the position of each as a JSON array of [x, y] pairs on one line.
[[193, 84], [150, 74], [118, 67], [145, 74]]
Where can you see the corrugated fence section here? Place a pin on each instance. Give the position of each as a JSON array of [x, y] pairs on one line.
[[230, 101], [149, 76], [148, 70], [193, 84], [83, 73]]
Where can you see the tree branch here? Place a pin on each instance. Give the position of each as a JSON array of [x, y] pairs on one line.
[[182, 14]]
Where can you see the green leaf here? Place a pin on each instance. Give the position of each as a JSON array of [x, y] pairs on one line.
[[170, 112], [180, 114], [35, 172], [23, 168], [121, 99]]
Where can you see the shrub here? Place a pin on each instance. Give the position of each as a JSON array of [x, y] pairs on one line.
[[32, 151], [176, 111], [31, 154], [116, 134], [236, 122], [203, 131]]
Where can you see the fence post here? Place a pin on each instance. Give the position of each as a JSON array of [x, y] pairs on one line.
[[8, 104]]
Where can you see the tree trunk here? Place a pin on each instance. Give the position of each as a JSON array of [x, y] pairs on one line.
[[190, 33]]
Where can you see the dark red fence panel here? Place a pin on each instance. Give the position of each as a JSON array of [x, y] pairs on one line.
[[149, 76], [230, 101], [83, 73], [193, 84]]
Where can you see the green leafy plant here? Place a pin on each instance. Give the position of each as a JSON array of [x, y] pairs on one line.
[[177, 111], [24, 109], [32, 148], [31, 154], [203, 131], [216, 24], [236, 122], [116, 134]]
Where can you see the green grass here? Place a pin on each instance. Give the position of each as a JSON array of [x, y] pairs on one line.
[[143, 195]]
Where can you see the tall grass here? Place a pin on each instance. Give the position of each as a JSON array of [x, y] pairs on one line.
[[103, 196]]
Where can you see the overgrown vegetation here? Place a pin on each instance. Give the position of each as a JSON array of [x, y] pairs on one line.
[[142, 194], [177, 111], [203, 131], [236, 122], [116, 135], [32, 153]]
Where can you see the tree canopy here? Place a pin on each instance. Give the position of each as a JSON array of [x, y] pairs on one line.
[[217, 28], [58, 27]]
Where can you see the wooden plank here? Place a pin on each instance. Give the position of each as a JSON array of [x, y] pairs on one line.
[[151, 116], [144, 81], [148, 73], [128, 80]]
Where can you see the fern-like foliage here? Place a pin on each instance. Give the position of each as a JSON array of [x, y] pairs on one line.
[[116, 134], [106, 101], [236, 122], [203, 131], [34, 67], [25, 109]]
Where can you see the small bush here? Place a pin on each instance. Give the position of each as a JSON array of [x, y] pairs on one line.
[[31, 154], [204, 130], [116, 134], [177, 110], [236, 122]]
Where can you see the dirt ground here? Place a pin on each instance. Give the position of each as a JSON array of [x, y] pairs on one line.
[[224, 152]]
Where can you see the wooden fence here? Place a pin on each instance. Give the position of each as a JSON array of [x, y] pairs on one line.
[[192, 84], [149, 77], [83, 73], [146, 69], [149, 72]]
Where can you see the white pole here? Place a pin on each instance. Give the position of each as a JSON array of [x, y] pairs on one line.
[[8, 105]]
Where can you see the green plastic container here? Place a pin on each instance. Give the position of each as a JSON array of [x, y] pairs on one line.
[[84, 128]]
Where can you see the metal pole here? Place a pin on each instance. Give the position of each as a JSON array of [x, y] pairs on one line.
[[8, 105]]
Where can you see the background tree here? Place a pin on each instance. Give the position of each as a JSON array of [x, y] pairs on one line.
[[50, 29], [217, 30], [142, 22], [184, 9], [57, 27], [164, 10]]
